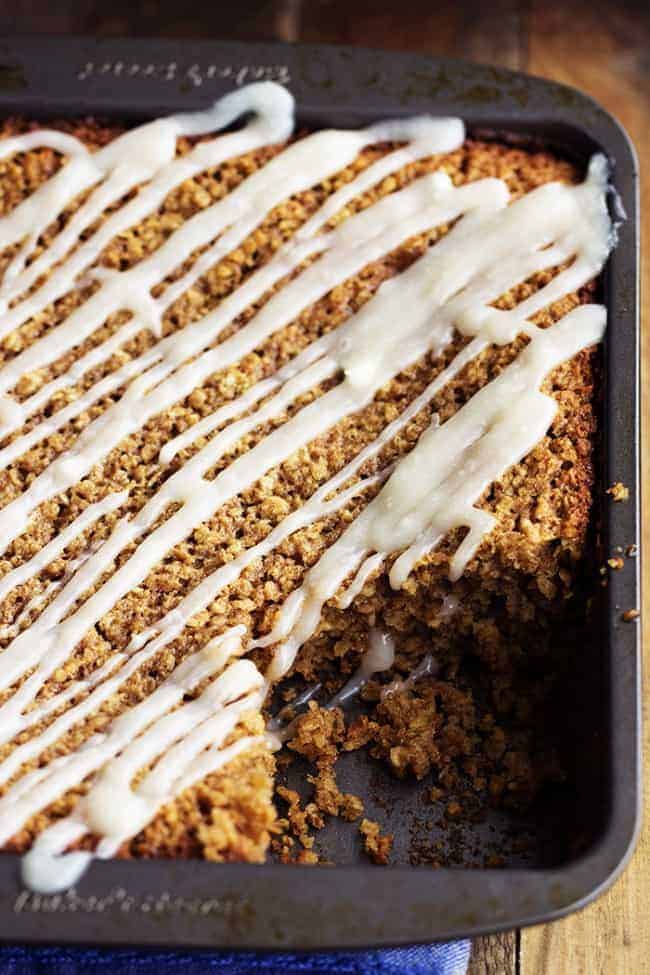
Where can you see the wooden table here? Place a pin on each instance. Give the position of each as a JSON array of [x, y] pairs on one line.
[[602, 48]]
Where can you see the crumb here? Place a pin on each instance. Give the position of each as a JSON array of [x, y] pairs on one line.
[[314, 817], [327, 794], [377, 847], [316, 734], [351, 807], [630, 615], [297, 817], [631, 551], [619, 492], [359, 733], [616, 563], [282, 847]]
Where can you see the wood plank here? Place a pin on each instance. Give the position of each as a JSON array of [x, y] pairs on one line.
[[602, 48], [475, 30], [251, 20], [496, 955]]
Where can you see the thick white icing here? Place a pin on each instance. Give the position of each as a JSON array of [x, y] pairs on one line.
[[493, 245]]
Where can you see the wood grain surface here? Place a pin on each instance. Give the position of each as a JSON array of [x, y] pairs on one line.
[[601, 48]]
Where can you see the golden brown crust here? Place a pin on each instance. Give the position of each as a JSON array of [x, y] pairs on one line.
[[518, 583]]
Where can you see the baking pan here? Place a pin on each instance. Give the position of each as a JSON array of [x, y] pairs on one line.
[[568, 850]]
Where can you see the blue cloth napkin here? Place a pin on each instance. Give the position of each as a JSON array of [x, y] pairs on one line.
[[443, 959]]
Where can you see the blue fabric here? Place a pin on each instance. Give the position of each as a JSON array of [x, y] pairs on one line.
[[445, 959]]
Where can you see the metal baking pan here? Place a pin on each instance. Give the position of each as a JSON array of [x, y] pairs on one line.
[[577, 845]]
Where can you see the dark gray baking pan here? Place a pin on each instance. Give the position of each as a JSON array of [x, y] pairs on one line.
[[568, 849]]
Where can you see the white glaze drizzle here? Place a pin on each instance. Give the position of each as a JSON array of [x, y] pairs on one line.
[[276, 728], [370, 567], [379, 656], [427, 667], [432, 490]]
